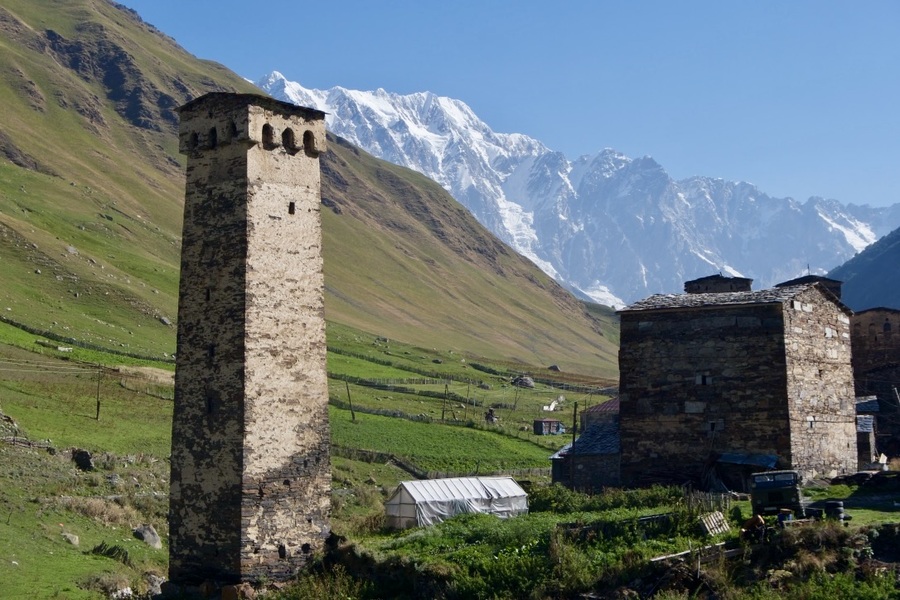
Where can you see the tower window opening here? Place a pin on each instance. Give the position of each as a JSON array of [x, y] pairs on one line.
[[291, 208], [309, 144], [268, 137], [194, 141], [288, 141], [233, 130], [213, 138]]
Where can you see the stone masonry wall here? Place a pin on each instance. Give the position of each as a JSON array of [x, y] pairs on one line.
[[287, 472], [876, 339], [250, 459], [698, 382], [820, 386]]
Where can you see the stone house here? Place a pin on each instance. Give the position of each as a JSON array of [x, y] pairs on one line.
[[765, 374], [876, 369], [876, 339], [591, 463]]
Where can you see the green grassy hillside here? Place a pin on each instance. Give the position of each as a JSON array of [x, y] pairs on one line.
[[91, 190]]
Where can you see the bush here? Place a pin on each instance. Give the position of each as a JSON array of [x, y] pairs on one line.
[[334, 584], [560, 499]]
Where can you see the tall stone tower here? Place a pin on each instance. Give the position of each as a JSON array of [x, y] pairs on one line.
[[251, 480]]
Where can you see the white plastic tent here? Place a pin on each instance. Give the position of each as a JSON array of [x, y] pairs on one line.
[[419, 503]]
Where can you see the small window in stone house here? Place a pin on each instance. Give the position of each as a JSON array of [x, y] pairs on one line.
[[714, 427], [213, 137], [268, 137], [291, 208], [233, 130], [208, 294], [886, 328], [194, 141], [703, 379]]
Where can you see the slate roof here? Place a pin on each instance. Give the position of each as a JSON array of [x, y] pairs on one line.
[[599, 438], [808, 279], [879, 309], [682, 301]]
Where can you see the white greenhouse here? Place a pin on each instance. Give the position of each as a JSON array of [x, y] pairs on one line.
[[420, 503]]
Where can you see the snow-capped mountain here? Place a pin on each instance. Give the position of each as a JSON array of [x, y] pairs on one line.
[[608, 226]]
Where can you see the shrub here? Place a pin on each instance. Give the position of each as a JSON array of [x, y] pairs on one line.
[[108, 512], [334, 584], [559, 499]]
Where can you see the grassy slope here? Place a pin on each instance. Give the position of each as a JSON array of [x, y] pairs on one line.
[[97, 207], [91, 193]]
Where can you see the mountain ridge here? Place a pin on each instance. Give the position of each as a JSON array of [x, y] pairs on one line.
[[872, 277], [565, 215]]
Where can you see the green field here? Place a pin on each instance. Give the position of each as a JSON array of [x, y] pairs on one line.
[[430, 421]]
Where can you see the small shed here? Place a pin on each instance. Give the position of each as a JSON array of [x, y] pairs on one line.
[[865, 441], [548, 427], [430, 501]]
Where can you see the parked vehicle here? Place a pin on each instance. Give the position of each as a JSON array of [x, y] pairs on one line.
[[771, 491]]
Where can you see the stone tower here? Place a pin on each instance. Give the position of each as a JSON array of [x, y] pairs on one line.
[[250, 480]]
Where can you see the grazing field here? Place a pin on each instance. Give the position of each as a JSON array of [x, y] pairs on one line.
[[415, 411], [435, 447]]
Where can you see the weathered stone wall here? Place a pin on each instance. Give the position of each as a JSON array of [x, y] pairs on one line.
[[884, 382], [701, 381], [592, 472], [250, 463], [876, 339], [820, 386]]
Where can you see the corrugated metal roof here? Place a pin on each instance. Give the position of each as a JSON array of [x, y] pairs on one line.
[[865, 423], [868, 404], [459, 488], [610, 406]]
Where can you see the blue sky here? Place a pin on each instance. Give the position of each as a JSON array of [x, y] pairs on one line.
[[800, 97]]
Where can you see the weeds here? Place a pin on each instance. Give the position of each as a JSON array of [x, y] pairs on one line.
[[335, 584]]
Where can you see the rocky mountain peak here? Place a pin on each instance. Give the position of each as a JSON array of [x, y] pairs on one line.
[[611, 228]]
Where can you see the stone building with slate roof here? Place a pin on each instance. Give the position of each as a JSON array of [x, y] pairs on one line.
[[761, 373], [591, 463]]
